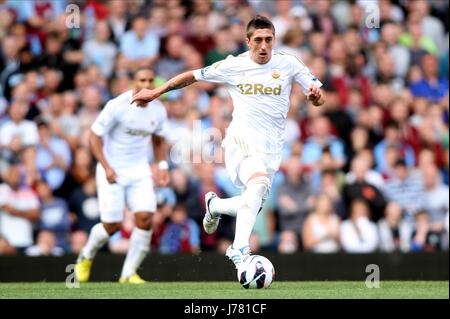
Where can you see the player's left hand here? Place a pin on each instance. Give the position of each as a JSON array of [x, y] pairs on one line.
[[314, 94]]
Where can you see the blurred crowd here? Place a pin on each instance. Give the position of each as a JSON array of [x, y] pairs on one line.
[[366, 172]]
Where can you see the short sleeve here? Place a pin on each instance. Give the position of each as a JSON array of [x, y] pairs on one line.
[[303, 75], [218, 72], [105, 120]]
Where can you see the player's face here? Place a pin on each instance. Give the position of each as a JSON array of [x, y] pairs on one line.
[[144, 79], [261, 44]]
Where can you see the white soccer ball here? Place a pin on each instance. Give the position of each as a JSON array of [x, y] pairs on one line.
[[256, 273]]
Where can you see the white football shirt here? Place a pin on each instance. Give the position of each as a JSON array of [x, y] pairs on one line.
[[126, 130], [260, 94]]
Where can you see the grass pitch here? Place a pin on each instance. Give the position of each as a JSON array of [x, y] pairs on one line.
[[229, 290]]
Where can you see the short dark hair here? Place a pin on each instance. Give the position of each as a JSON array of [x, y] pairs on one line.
[[141, 68], [259, 22], [400, 163]]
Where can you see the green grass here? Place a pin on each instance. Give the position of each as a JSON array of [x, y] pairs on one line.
[[229, 290]]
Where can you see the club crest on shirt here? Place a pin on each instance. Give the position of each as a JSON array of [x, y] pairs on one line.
[[276, 74]]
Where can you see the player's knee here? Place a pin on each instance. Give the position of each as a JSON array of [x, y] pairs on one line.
[[260, 183], [112, 228], [256, 190], [144, 220], [251, 167]]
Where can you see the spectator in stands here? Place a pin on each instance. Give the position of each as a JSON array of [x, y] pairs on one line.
[[46, 245], [55, 216], [430, 86], [182, 234], [415, 41], [171, 63], [77, 241], [362, 188], [61, 119], [395, 234], [321, 138], [423, 237], [436, 198], [405, 189], [82, 168], [100, 51], [321, 228], [294, 198], [331, 185], [359, 140], [390, 34], [432, 131], [17, 132], [392, 137], [9, 63], [431, 26], [83, 202], [293, 43], [53, 157], [28, 168], [385, 72], [288, 243], [140, 46], [68, 121], [399, 112], [118, 20], [200, 35], [19, 209], [224, 46], [372, 176], [90, 108], [358, 234], [187, 190]]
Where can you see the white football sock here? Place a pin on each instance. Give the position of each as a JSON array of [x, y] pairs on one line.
[[138, 249], [226, 206], [252, 199], [97, 238]]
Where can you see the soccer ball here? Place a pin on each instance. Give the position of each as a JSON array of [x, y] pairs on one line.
[[256, 273]]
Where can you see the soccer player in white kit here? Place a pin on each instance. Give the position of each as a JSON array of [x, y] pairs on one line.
[[120, 140], [259, 82]]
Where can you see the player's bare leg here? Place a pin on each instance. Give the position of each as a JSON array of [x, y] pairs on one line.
[[138, 249], [98, 236]]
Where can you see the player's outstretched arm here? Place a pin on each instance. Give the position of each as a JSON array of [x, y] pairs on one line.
[[177, 82], [315, 95]]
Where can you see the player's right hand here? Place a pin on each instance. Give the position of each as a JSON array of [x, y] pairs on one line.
[[145, 96], [110, 175]]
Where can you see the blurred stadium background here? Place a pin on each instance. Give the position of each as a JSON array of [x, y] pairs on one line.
[[367, 173]]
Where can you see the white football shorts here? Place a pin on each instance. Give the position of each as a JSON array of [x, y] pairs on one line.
[[136, 193], [237, 149]]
